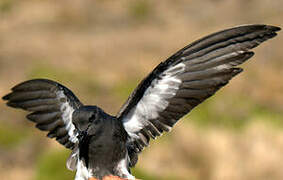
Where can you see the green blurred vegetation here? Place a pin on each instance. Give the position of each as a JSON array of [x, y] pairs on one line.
[[236, 115], [90, 86], [6, 5], [52, 165], [12, 135], [123, 89], [140, 10]]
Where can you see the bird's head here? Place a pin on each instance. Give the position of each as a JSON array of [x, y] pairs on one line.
[[86, 117]]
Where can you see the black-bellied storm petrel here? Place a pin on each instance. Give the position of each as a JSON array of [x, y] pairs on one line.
[[104, 145]]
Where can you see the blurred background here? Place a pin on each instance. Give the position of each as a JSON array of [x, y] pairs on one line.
[[101, 49]]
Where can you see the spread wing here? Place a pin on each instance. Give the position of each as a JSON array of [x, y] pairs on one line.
[[186, 79], [51, 105]]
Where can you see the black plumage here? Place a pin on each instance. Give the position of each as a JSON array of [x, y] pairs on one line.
[[209, 64], [109, 145], [40, 96]]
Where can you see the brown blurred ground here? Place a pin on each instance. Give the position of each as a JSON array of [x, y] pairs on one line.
[[102, 49]]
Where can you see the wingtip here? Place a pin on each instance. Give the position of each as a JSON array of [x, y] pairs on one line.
[[12, 104], [236, 71], [248, 54], [51, 135], [6, 97], [272, 28]]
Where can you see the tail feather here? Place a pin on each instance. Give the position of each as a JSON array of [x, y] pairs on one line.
[[73, 160]]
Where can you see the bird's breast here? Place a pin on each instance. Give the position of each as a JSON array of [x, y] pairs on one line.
[[104, 149]]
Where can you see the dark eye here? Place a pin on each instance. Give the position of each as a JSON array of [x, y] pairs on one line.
[[96, 121], [92, 118]]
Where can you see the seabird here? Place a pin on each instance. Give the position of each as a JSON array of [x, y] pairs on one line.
[[105, 145]]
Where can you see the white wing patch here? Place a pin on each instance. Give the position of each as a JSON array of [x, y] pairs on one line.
[[153, 100], [67, 110]]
